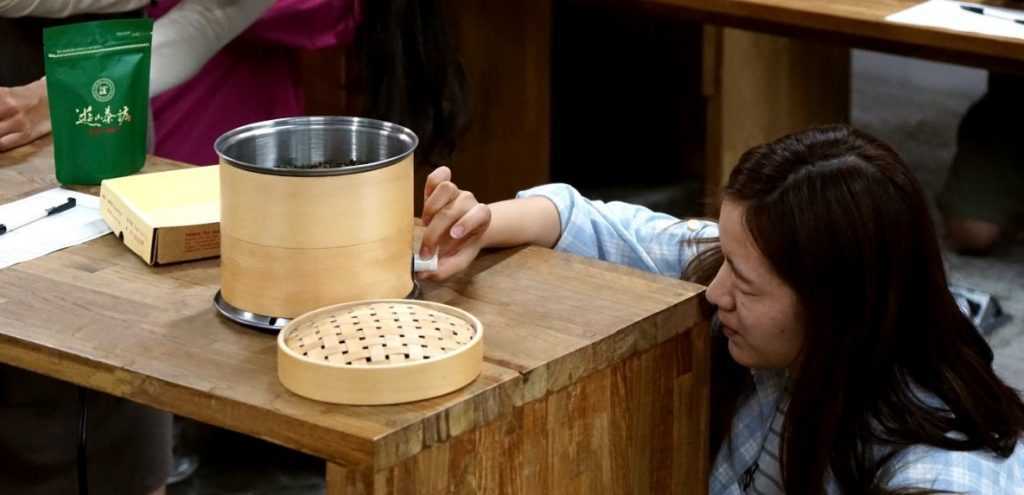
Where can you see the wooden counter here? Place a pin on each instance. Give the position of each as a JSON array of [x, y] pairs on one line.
[[595, 377]]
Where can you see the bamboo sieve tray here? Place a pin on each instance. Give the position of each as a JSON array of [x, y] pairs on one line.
[[385, 351]]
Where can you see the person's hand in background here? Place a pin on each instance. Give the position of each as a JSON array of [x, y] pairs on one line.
[[24, 114]]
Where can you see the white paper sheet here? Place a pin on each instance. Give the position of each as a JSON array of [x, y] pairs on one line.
[[75, 226], [947, 14]]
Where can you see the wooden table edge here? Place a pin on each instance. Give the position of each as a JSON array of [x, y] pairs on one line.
[[168, 396], [534, 384], [873, 34]]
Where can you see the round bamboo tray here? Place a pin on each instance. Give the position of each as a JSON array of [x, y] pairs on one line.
[[385, 351]]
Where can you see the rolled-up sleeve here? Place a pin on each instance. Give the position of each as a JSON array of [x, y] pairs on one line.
[[624, 233]]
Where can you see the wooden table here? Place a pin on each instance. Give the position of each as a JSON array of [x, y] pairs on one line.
[[788, 68], [595, 377], [770, 67], [858, 23]]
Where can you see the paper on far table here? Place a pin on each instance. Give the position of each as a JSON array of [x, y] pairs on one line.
[[947, 14], [75, 226]]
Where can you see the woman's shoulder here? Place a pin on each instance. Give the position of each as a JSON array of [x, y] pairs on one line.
[[979, 471]]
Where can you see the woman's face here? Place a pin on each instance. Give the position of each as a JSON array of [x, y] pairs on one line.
[[759, 312]]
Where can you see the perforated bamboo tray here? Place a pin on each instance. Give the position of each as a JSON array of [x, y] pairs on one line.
[[384, 351]]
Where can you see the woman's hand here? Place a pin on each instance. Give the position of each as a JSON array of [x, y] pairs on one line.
[[24, 114], [455, 222]]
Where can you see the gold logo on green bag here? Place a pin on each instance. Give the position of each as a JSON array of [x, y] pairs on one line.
[[103, 90], [85, 116]]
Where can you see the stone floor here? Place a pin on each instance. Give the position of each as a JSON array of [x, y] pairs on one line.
[[916, 106], [913, 105]]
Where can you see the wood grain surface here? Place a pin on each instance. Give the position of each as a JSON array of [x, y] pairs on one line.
[[855, 23], [593, 373]]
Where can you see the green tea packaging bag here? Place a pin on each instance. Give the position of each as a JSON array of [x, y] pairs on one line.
[[97, 79]]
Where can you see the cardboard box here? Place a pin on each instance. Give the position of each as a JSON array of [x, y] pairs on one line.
[[166, 217]]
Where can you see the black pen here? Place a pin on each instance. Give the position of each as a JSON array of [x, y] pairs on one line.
[[5, 228], [991, 13]]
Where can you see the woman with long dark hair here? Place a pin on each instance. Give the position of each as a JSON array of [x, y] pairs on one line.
[[842, 363]]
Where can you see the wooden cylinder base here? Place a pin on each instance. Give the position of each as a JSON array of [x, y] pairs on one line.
[[284, 282], [293, 244]]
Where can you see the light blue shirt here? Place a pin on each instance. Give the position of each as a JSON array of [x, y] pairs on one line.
[[635, 236]]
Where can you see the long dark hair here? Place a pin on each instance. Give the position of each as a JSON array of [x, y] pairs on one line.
[[845, 224], [414, 76]]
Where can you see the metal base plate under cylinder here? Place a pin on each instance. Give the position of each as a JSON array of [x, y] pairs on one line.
[[271, 324]]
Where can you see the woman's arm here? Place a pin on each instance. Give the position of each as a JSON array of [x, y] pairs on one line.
[[306, 24], [515, 222], [66, 8], [193, 32], [458, 227], [624, 233], [554, 215]]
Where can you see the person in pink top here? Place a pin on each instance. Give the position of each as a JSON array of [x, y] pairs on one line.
[[253, 78]]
